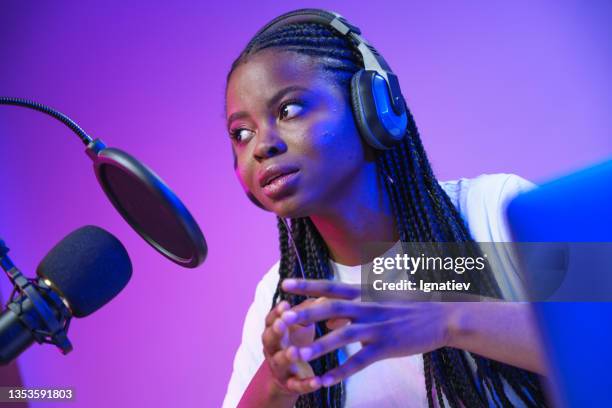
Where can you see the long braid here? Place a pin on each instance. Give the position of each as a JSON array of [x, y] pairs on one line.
[[428, 380], [401, 209], [286, 261], [423, 213]]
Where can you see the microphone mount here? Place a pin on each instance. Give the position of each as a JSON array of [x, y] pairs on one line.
[[54, 327]]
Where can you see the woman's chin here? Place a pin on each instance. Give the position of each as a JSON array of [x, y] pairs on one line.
[[289, 207]]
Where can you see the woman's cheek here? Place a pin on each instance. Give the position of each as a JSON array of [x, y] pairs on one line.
[[243, 175]]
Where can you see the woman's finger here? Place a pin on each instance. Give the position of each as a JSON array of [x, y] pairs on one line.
[[357, 362], [282, 364], [321, 287], [304, 386], [272, 337], [308, 302], [333, 324], [299, 368], [317, 312], [335, 339], [276, 312], [336, 309]]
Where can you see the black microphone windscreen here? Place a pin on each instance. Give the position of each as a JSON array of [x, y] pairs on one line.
[[88, 268]]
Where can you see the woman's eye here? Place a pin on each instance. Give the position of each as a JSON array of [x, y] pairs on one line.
[[290, 110], [241, 135]]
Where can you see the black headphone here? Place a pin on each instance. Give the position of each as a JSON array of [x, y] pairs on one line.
[[378, 105]]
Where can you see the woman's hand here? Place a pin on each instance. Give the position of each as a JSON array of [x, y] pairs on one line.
[[291, 375], [384, 330], [502, 331]]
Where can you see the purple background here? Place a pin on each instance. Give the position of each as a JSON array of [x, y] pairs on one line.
[[522, 88]]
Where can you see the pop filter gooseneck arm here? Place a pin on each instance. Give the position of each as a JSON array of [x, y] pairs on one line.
[[139, 195], [51, 112]]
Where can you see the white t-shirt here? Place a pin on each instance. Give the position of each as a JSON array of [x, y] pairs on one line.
[[396, 382]]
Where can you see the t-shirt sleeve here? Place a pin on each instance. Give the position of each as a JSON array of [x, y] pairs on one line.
[[487, 199], [249, 355], [512, 186], [485, 205]]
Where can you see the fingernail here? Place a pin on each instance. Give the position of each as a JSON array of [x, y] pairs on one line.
[[305, 353], [327, 380], [282, 306], [292, 353], [279, 326], [289, 284], [289, 316], [315, 382]]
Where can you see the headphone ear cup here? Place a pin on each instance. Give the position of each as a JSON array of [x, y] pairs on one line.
[[359, 113], [379, 125]]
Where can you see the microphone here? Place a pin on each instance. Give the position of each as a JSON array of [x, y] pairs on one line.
[[79, 275]]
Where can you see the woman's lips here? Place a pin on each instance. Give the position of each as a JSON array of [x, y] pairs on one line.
[[281, 185]]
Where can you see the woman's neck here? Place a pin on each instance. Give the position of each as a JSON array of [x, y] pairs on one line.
[[357, 221]]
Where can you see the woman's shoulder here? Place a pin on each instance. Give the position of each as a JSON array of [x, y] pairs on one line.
[[249, 355], [482, 202], [261, 303], [485, 186], [267, 285]]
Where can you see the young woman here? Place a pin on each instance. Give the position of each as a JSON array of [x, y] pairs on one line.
[[312, 148]]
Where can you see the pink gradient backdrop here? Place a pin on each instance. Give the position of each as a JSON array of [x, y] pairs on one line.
[[522, 88]]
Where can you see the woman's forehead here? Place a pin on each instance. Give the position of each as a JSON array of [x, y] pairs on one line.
[[269, 70]]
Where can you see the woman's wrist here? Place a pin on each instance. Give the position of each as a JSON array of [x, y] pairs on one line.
[[457, 323], [501, 331], [264, 390], [276, 393]]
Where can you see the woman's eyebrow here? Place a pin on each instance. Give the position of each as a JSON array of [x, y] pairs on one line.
[[235, 116], [270, 104], [280, 94]]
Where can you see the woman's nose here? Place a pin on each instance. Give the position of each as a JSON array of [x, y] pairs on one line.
[[269, 144]]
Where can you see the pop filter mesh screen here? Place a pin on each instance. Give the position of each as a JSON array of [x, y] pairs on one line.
[[151, 216]]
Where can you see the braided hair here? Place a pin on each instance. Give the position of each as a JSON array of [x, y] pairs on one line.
[[423, 213]]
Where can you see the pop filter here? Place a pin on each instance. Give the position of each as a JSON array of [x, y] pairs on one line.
[[140, 195], [148, 205]]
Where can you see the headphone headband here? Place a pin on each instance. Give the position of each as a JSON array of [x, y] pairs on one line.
[[372, 60]]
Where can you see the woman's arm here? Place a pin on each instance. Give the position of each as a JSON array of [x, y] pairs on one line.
[[501, 331]]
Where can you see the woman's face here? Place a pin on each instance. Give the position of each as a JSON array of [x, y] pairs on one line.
[[292, 129]]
